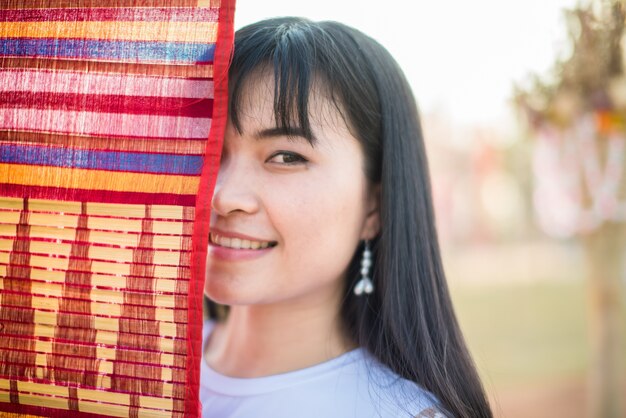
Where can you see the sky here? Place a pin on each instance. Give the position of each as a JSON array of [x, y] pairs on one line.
[[460, 57]]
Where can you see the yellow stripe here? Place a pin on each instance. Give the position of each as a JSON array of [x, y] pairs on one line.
[[53, 291], [14, 203], [98, 408], [164, 272], [161, 285], [43, 389], [10, 217], [166, 329], [130, 225], [96, 295], [136, 211], [189, 32], [166, 247], [107, 224], [106, 368], [102, 337], [44, 302], [74, 178], [32, 393], [118, 255], [104, 353], [98, 209], [47, 401]]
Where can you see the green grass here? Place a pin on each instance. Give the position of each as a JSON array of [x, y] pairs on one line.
[[524, 333]]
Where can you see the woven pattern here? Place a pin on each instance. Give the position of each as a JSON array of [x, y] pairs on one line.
[[105, 170]]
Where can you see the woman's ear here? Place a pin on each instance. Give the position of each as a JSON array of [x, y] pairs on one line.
[[371, 226]]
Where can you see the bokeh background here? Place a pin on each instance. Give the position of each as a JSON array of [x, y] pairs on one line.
[[523, 105]]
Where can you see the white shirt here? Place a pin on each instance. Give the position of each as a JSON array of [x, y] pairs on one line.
[[351, 385]]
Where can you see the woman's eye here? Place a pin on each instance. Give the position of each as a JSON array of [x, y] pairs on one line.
[[287, 158]]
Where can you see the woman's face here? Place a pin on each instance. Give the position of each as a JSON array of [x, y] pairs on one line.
[[310, 204]]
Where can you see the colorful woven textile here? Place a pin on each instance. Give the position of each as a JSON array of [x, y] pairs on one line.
[[112, 115]]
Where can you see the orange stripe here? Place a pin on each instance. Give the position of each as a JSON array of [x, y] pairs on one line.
[[185, 147], [73, 178], [183, 71], [195, 32]]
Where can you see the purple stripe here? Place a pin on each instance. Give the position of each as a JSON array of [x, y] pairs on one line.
[[101, 160], [132, 14], [116, 50]]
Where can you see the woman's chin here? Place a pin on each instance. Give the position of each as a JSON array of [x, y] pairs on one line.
[[229, 293]]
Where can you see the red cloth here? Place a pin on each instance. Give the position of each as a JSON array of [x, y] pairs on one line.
[[105, 179]]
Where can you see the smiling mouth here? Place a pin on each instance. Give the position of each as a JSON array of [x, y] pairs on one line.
[[240, 244]]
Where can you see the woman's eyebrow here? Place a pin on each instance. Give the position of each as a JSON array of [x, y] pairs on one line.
[[293, 133]]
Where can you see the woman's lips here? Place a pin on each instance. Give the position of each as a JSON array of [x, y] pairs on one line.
[[234, 246], [236, 254]]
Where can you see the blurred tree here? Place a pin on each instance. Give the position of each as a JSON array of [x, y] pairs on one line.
[[578, 119]]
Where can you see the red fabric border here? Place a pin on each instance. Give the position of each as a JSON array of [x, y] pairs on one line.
[[200, 237]]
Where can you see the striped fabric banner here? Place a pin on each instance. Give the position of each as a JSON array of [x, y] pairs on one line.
[[112, 114]]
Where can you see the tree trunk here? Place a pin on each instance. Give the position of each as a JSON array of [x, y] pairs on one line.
[[606, 253]]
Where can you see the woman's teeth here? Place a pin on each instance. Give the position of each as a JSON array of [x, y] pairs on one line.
[[238, 243]]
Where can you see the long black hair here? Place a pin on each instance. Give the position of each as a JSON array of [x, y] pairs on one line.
[[408, 323]]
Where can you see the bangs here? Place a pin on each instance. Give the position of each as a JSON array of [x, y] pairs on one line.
[[293, 58], [291, 99]]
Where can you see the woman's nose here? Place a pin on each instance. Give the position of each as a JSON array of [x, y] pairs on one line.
[[234, 190]]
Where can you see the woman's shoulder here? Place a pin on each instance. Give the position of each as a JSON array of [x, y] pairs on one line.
[[352, 385]]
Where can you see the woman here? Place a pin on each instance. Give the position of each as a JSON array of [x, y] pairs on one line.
[[323, 242]]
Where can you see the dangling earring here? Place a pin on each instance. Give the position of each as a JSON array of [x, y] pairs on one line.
[[365, 285]]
